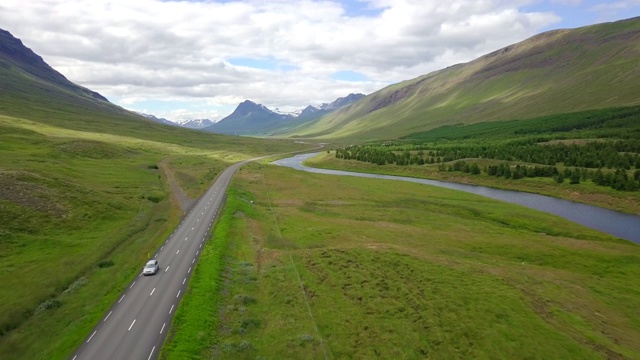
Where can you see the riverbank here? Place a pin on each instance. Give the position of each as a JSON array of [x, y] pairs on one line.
[[586, 192]]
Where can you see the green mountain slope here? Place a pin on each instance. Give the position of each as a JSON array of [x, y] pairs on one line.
[[554, 72]]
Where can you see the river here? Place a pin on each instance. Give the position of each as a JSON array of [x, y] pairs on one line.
[[622, 225]]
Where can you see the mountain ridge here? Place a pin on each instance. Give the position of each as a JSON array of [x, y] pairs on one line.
[[553, 72], [14, 51]]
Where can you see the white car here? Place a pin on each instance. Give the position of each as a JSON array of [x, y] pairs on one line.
[[151, 268]]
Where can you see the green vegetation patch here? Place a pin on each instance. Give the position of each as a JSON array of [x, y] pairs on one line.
[[340, 267], [190, 333]]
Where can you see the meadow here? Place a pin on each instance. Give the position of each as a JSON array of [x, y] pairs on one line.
[[81, 209], [322, 266]]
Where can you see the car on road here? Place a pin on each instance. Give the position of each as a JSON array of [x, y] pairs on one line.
[[151, 267]]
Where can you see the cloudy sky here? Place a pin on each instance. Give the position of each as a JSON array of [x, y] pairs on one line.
[[199, 59]]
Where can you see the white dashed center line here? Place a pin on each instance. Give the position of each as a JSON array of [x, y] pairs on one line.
[[154, 289], [167, 269], [130, 326], [91, 337]]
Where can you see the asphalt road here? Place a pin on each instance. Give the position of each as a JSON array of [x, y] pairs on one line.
[[135, 327]]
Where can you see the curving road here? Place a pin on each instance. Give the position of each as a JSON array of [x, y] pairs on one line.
[[135, 327]]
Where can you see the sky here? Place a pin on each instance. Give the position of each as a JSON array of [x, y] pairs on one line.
[[192, 59]]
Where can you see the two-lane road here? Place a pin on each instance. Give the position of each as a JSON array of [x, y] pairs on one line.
[[136, 325]]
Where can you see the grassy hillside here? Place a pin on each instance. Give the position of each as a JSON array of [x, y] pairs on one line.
[[84, 202], [554, 72]]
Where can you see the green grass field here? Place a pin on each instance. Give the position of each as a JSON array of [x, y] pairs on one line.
[[338, 267], [82, 209]]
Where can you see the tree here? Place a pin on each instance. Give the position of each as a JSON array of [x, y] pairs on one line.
[[575, 177]]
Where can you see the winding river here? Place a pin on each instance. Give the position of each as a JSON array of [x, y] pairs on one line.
[[622, 225]]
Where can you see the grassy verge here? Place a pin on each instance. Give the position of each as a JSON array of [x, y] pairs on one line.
[[190, 333], [416, 272], [585, 192]]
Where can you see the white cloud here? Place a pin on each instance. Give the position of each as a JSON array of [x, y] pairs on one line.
[[147, 50]]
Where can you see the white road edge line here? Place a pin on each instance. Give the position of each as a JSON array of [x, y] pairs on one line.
[[130, 326], [161, 330], [178, 293], [105, 319], [194, 260], [189, 271], [197, 252], [183, 281], [132, 285], [150, 355], [121, 298], [92, 335], [170, 310]]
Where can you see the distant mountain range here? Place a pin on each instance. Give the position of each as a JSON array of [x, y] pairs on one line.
[[190, 124], [196, 123], [250, 118]]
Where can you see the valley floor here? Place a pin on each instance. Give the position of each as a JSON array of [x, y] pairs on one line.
[[336, 267]]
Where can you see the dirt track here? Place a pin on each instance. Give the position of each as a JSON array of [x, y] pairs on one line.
[[177, 194]]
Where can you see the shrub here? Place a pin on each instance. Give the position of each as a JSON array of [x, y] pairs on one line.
[[105, 264]]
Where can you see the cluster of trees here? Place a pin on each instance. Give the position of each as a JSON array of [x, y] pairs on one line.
[[618, 179], [610, 154], [621, 155], [381, 156]]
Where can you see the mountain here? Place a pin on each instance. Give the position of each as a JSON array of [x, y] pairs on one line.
[[29, 85], [189, 124], [14, 53], [196, 123], [342, 102], [312, 112], [558, 71], [159, 120], [249, 118]]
